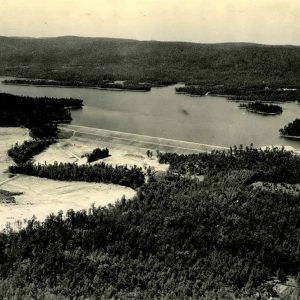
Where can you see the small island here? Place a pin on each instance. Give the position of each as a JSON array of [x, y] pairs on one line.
[[292, 130], [262, 108]]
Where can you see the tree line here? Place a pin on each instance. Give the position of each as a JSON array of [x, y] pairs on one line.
[[259, 161], [73, 83], [244, 92], [26, 151], [122, 175]]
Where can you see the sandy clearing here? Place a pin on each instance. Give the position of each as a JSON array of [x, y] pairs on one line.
[[72, 149], [43, 196]]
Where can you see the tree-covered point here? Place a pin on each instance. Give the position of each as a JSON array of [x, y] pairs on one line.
[[260, 162], [122, 175], [97, 154], [273, 93], [26, 151], [6, 99], [40, 115], [261, 107], [292, 129], [178, 239]]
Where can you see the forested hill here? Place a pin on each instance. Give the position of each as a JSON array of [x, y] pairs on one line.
[[95, 59]]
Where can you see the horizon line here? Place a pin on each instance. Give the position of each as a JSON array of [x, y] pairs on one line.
[[141, 40]]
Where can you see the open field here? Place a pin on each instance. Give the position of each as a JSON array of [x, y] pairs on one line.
[[72, 149], [43, 196]]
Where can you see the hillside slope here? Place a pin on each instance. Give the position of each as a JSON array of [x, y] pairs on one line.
[[95, 59]]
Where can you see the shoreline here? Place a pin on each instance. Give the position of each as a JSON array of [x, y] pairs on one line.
[[295, 137], [77, 87], [262, 113], [141, 141]]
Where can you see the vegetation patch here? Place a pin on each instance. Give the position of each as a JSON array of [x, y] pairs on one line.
[[292, 129], [121, 175], [7, 197], [262, 108], [270, 165], [96, 154], [26, 151]]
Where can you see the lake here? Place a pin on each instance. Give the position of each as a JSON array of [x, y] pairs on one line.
[[162, 113]]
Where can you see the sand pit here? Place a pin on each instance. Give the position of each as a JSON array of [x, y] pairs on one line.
[[43, 196]]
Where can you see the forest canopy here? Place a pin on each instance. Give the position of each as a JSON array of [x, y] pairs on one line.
[[90, 60], [178, 238]]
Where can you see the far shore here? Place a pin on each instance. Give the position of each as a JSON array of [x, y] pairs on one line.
[[74, 86]]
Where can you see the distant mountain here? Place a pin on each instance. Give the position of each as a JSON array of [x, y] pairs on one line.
[[92, 59]]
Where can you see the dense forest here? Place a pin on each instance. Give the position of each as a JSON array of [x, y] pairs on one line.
[[131, 177], [99, 59], [292, 129], [179, 238], [263, 108], [40, 115], [285, 166]]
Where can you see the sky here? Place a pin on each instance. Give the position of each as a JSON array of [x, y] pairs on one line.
[[204, 21]]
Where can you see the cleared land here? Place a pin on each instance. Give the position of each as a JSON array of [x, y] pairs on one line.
[[72, 150], [41, 197]]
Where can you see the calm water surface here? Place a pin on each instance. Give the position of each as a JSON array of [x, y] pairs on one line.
[[162, 113]]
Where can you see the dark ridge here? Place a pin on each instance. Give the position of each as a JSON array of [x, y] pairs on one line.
[[97, 59]]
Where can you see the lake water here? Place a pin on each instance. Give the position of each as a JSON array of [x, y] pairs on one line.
[[162, 113]]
